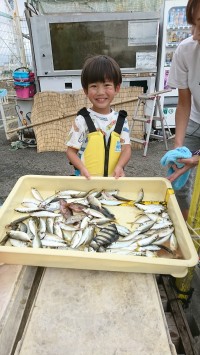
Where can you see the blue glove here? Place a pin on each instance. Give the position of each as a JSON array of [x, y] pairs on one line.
[[171, 158]]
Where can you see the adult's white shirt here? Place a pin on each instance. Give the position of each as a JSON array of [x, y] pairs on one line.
[[185, 73]]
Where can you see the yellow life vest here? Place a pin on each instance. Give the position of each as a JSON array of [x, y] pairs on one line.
[[100, 158]]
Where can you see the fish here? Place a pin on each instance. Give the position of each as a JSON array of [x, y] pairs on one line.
[[80, 220], [107, 235], [36, 194], [173, 242], [28, 209], [151, 208], [141, 229], [37, 243], [24, 237], [76, 238], [44, 214], [111, 202], [140, 196], [122, 230], [18, 243], [93, 212]]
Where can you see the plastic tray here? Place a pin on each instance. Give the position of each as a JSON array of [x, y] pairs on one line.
[[155, 189]]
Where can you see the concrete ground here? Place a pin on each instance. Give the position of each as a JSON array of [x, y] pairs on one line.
[[16, 163]]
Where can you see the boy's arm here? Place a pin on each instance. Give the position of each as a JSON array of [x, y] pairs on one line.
[[123, 160], [76, 161]]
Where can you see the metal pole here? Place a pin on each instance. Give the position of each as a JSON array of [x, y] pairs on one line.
[[20, 42], [183, 285]]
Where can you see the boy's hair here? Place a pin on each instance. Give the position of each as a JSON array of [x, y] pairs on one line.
[[100, 68], [191, 9]]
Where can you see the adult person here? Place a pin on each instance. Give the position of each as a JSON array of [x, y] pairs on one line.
[[185, 75], [99, 141]]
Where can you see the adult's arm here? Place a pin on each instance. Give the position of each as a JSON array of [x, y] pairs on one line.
[[182, 116]]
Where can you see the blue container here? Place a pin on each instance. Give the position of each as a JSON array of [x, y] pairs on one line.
[[20, 75], [25, 84], [3, 93]]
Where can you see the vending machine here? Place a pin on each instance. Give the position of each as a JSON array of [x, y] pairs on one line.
[[174, 29]]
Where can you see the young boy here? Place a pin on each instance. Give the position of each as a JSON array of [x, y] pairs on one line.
[[99, 143]]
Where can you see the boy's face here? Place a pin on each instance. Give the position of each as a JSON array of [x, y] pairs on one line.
[[101, 94]]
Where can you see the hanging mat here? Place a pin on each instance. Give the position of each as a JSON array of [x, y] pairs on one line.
[[52, 106]]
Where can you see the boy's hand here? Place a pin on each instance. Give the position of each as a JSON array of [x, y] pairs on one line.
[[118, 172], [85, 172]]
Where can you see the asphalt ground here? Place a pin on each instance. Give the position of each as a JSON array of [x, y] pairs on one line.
[[16, 163]]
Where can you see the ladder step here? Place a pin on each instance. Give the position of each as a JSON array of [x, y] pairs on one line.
[[158, 118], [156, 136], [140, 119], [137, 140]]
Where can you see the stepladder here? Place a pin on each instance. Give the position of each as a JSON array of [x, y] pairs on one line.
[[152, 111]]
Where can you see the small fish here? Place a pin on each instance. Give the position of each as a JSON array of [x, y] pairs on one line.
[[27, 209], [19, 235], [107, 235], [140, 196], [173, 242], [111, 202], [93, 212], [15, 223], [36, 194], [141, 229], [33, 226], [162, 224], [122, 230], [52, 243], [94, 201], [76, 239], [17, 243], [151, 208], [44, 214], [147, 241], [36, 243]]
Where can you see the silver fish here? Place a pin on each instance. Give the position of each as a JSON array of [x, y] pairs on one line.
[[36, 243], [36, 194], [53, 244], [162, 224], [45, 214], [140, 196], [110, 202], [141, 229], [151, 208], [19, 235], [76, 239], [27, 209], [173, 242], [17, 243], [93, 212]]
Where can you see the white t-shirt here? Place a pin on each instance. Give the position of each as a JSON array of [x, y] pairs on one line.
[[104, 123], [185, 73]]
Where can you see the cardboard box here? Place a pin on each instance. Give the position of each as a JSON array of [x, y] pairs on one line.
[[155, 189]]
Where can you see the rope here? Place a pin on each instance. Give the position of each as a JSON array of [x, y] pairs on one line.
[[196, 235]]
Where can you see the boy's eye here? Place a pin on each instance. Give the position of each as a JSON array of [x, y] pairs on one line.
[[108, 84], [92, 86]]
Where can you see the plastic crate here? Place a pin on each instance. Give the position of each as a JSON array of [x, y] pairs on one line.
[[155, 189]]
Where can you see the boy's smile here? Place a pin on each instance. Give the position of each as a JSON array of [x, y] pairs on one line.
[[101, 94]]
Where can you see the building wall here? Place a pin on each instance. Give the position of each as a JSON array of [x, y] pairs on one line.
[[100, 6]]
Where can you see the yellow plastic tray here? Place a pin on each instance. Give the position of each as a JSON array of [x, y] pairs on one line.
[[155, 189]]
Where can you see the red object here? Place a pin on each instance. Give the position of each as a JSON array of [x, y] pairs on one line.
[[25, 92]]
